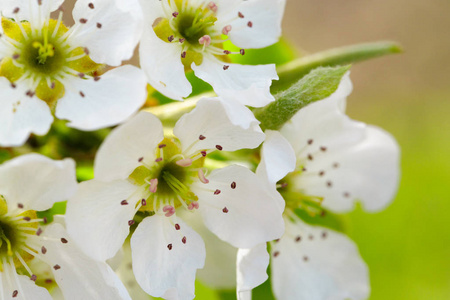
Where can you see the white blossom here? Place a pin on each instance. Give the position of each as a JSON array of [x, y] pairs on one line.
[[192, 34], [29, 185], [47, 68], [140, 175]]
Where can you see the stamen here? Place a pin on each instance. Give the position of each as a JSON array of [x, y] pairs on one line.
[[169, 210], [205, 40], [226, 30], [153, 185], [212, 6], [184, 162], [193, 205], [55, 31], [202, 177]]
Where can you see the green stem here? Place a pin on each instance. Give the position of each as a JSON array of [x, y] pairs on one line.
[[291, 72]]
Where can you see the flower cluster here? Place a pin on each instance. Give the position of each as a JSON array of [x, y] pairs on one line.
[[219, 185]]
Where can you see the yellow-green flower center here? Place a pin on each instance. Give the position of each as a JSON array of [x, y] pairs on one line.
[[14, 233], [192, 26], [296, 198], [167, 180], [44, 57]]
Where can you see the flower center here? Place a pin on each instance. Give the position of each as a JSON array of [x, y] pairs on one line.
[[14, 237], [296, 198], [43, 57], [166, 181], [8, 239], [194, 27]]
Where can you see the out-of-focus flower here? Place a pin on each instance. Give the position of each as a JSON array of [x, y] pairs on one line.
[[29, 185], [47, 67], [142, 176], [191, 34], [321, 158]]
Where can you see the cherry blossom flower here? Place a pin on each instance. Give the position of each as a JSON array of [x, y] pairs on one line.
[[48, 68], [29, 185], [321, 159], [192, 34], [146, 178]]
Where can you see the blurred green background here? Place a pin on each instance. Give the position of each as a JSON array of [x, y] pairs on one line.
[[407, 245]]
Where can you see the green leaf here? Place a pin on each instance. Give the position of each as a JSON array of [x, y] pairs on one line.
[[296, 69], [317, 85]]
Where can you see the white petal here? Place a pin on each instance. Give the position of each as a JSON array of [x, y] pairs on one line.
[[159, 270], [348, 161], [219, 271], [162, 64], [277, 157], [122, 149], [251, 216], [112, 30], [36, 181], [210, 120], [26, 288], [91, 105], [265, 17], [21, 115], [79, 277], [249, 85], [29, 10], [251, 269], [239, 114], [152, 10], [368, 172], [96, 219], [322, 264]]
